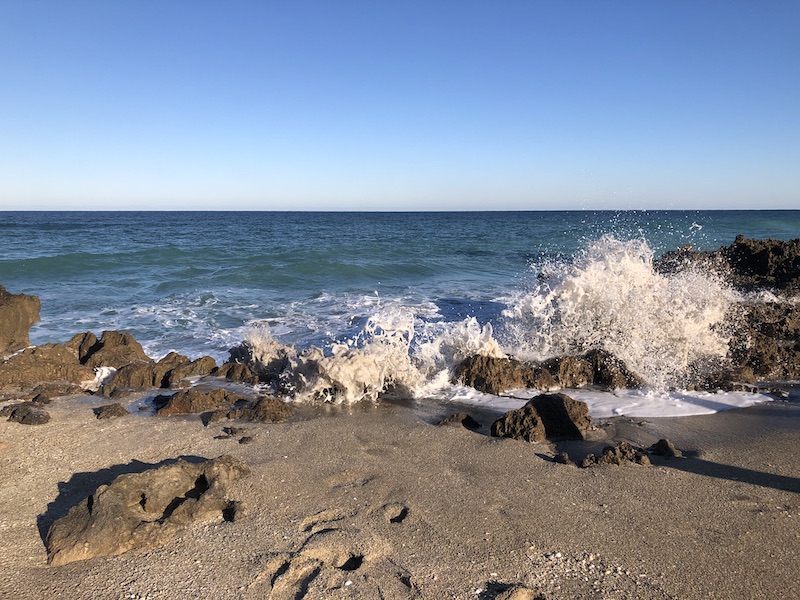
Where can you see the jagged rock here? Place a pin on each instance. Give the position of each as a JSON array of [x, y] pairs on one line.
[[563, 458], [460, 419], [42, 364], [748, 264], [571, 371], [46, 392], [114, 349], [617, 455], [144, 510], [197, 368], [547, 416], [495, 375], [194, 400], [264, 410], [610, 371], [768, 341], [18, 312], [236, 372], [664, 447], [25, 413], [110, 411], [84, 344]]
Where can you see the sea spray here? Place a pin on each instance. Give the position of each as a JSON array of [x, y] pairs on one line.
[[610, 297]]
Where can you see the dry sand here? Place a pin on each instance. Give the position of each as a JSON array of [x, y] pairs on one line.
[[376, 502]]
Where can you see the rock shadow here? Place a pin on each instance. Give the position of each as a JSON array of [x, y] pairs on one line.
[[81, 485], [700, 466]]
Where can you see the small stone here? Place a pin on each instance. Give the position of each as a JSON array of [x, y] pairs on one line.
[[110, 411]]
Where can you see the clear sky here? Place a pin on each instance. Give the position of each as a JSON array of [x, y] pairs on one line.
[[339, 105]]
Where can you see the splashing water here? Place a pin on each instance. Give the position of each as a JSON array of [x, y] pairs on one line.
[[611, 298]]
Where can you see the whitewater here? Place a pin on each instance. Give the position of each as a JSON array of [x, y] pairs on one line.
[[353, 306]]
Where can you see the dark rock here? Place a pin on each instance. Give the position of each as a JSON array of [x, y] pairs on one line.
[[25, 413], [617, 455], [748, 264], [110, 411], [84, 344], [42, 364], [144, 510], [767, 343], [460, 419], [195, 400], [520, 424], [197, 368], [18, 312], [610, 371], [246, 439], [666, 448], [571, 371], [236, 372], [563, 459], [46, 392], [563, 417], [115, 349], [496, 375], [267, 409]]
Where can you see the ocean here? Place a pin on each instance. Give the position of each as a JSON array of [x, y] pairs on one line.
[[431, 286]]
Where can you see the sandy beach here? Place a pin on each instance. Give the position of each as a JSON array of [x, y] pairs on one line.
[[375, 501]]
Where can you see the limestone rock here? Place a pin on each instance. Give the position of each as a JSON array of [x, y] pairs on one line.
[[197, 368], [267, 409], [18, 312], [617, 455], [144, 510], [461, 419], [41, 364], [25, 413], [114, 349], [110, 411], [664, 447], [547, 416], [195, 400], [236, 372], [495, 375]]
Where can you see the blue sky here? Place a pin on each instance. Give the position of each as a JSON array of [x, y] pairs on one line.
[[134, 104]]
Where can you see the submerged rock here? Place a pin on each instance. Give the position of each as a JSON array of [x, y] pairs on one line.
[[547, 416], [18, 312], [145, 510]]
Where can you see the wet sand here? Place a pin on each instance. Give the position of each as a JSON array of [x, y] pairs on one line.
[[377, 502]]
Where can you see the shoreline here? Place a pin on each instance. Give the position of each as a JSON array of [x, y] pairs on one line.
[[479, 513]]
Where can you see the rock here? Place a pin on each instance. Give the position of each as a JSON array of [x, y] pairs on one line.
[[610, 371], [563, 458], [197, 368], [114, 349], [246, 439], [495, 375], [518, 592], [571, 371], [459, 419], [520, 424], [194, 400], [43, 364], [236, 372], [25, 413], [84, 344], [617, 455], [110, 411], [767, 342], [144, 510], [18, 312], [563, 417], [748, 264], [46, 392], [267, 409], [666, 448]]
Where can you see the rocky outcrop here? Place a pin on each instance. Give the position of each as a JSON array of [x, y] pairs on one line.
[[170, 371], [18, 312], [47, 363], [200, 367], [145, 510], [748, 264], [767, 343], [113, 349], [234, 371], [547, 416]]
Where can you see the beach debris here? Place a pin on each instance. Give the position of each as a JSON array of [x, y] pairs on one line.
[[25, 413], [547, 416], [145, 510], [460, 418], [664, 447], [110, 411], [619, 454], [18, 312]]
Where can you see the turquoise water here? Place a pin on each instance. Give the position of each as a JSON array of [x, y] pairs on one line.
[[196, 281]]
